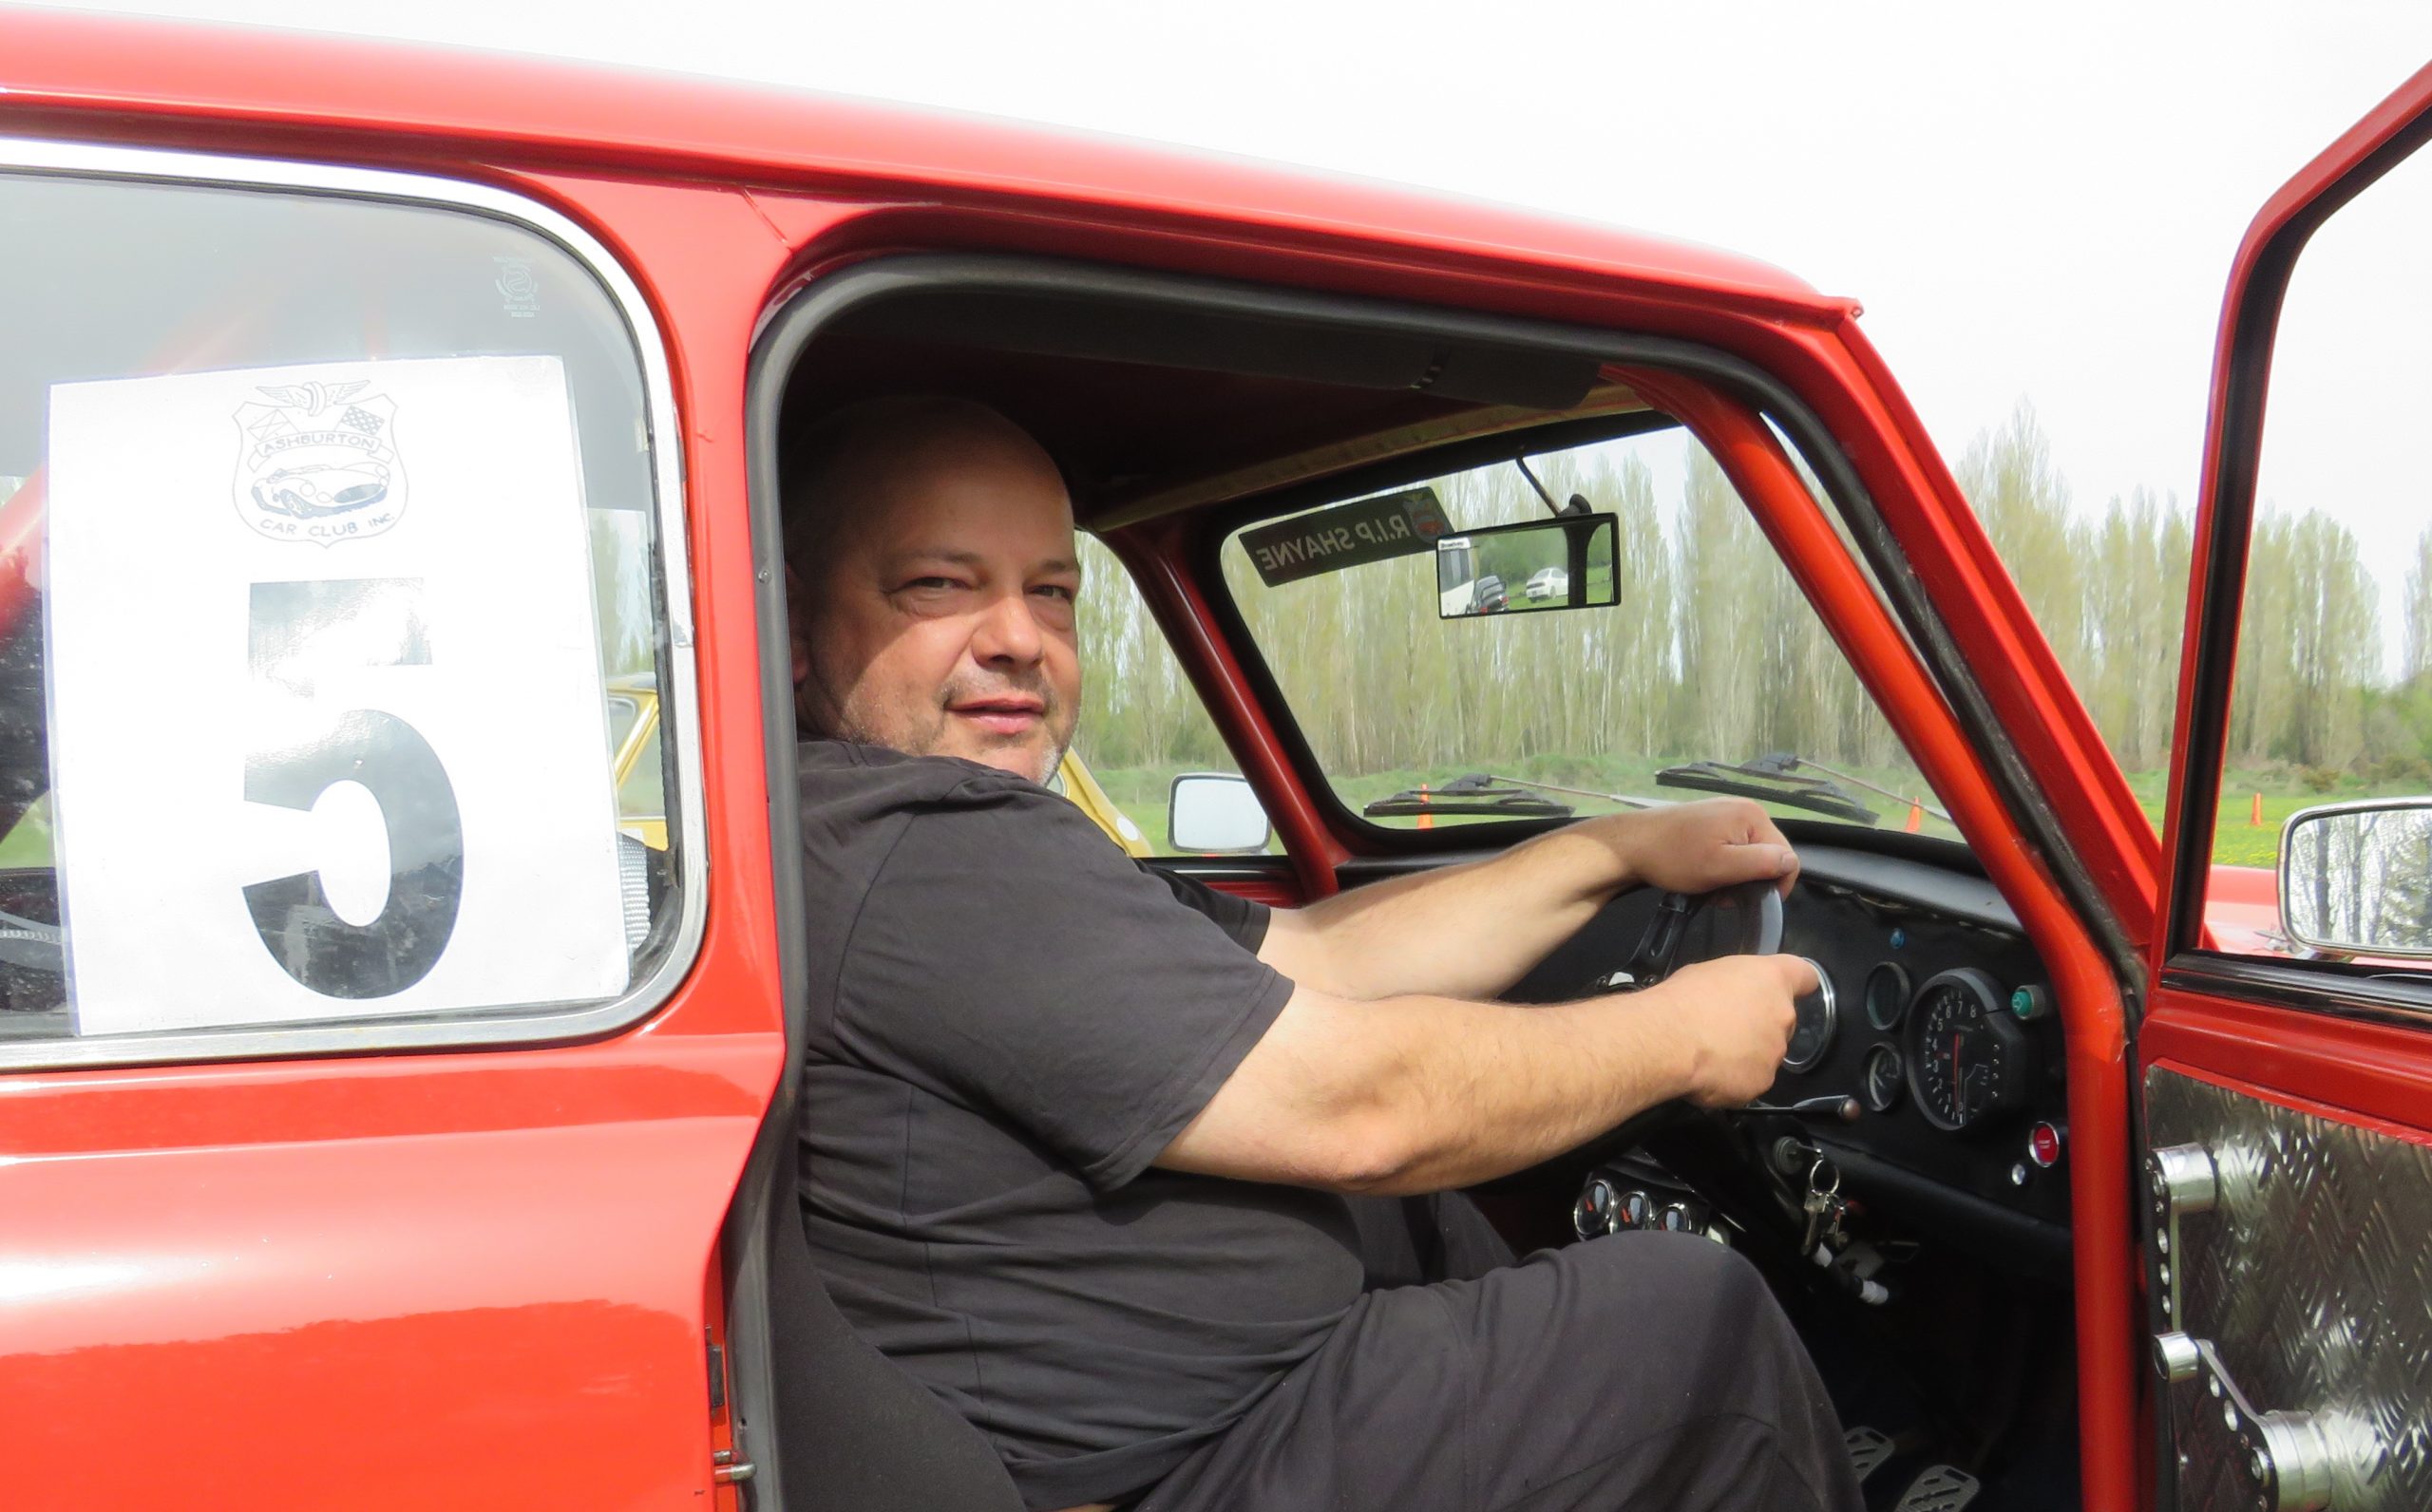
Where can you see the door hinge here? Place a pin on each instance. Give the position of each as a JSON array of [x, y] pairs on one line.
[[2184, 1182], [2283, 1459], [727, 1469], [2284, 1462]]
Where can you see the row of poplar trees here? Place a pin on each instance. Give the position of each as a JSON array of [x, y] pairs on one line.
[[1713, 652]]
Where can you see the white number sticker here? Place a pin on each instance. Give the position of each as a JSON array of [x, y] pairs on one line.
[[328, 734]]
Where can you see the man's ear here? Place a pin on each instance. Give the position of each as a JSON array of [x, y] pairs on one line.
[[797, 613]]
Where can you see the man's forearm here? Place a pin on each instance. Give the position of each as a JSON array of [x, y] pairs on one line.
[[1468, 1092], [1420, 1093], [1417, 1094], [1465, 931]]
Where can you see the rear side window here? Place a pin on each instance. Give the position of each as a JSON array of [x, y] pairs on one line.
[[333, 609]]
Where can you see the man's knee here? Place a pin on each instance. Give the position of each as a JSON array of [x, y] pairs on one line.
[[1652, 1264], [1673, 1290]]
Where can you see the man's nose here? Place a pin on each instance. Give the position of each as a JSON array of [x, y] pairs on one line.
[[1008, 633]]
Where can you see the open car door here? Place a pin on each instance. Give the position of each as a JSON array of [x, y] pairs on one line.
[[2285, 1065]]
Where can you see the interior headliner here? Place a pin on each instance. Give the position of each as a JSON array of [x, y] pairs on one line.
[[1151, 412]]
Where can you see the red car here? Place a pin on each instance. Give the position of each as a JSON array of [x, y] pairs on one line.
[[379, 1130]]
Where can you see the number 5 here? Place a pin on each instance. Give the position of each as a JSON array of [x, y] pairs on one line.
[[298, 629]]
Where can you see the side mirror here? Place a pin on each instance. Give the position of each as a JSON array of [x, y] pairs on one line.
[[2356, 879], [1215, 813]]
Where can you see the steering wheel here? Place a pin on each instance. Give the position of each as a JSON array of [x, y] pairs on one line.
[[1750, 915]]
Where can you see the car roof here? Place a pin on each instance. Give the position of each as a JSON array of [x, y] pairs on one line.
[[1135, 441], [101, 67]]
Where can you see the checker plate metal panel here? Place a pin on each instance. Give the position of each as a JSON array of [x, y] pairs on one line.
[[2313, 1277]]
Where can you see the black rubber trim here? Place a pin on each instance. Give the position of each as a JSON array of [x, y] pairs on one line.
[[2340, 989], [746, 1244], [2234, 463]]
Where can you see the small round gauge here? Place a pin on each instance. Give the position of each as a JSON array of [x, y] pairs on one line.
[[1595, 1211], [1881, 1083], [1887, 996], [1817, 1018], [1967, 1058]]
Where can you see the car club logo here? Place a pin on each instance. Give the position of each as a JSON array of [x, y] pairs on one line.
[[319, 462]]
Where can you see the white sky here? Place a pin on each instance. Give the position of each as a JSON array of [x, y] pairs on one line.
[[2034, 201]]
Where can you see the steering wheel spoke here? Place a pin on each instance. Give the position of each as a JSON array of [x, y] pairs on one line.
[[1750, 913]]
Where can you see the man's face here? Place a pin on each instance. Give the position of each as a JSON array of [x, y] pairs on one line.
[[942, 624]]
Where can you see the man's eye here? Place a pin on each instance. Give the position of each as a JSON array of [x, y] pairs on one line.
[[1056, 590], [930, 584]]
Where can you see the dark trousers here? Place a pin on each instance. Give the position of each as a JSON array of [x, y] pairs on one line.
[[1638, 1370]]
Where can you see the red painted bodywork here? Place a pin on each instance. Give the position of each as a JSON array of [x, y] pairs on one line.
[[482, 1278]]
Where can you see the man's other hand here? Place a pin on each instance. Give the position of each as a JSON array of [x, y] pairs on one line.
[[1698, 848], [1736, 1011]]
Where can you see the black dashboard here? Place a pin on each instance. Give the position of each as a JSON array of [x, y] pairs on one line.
[[1941, 1023]]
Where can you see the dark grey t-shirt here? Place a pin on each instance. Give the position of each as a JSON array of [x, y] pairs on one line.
[[1010, 1019]]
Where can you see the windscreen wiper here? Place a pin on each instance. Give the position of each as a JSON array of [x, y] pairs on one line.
[[1774, 784], [1496, 792], [1477, 794], [1784, 762]]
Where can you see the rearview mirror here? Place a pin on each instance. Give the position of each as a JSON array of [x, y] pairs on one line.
[[1564, 563], [1214, 814], [2356, 879]]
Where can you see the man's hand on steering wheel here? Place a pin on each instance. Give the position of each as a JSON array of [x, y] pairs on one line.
[[1699, 847], [1738, 1015]]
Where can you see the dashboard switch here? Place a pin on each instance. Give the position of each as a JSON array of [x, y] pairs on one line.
[[2043, 1144], [2031, 1003]]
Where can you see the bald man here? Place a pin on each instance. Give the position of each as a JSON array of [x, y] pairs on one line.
[[1101, 1157]]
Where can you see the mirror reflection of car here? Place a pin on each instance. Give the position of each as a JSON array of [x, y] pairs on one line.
[[1548, 583], [1489, 595]]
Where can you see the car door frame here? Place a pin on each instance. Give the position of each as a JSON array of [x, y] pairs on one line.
[[2296, 1040]]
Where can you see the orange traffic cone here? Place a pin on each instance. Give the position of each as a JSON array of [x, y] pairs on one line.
[[1916, 817], [1426, 819], [2254, 813]]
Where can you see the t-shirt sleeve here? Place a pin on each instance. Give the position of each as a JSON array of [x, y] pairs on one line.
[[1243, 921], [1007, 958]]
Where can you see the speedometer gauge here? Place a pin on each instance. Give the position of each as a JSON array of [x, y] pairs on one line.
[[1967, 1058]]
